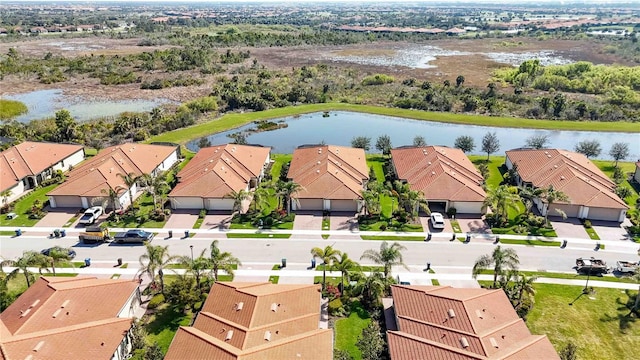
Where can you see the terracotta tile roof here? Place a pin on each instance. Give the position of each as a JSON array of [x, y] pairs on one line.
[[101, 171], [256, 321], [437, 322], [31, 158], [572, 173], [441, 173], [67, 318], [218, 170], [329, 172]]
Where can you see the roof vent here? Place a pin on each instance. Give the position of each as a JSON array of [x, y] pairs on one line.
[[274, 307], [562, 177], [222, 168], [24, 313], [318, 162], [38, 346], [546, 153], [464, 342], [64, 304], [35, 303], [451, 313], [267, 335], [29, 357], [429, 163], [55, 314], [211, 160], [318, 171], [229, 335], [239, 306], [479, 314], [433, 173], [494, 343]]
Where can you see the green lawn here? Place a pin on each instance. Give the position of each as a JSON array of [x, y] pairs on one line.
[[24, 204], [599, 327], [163, 325], [572, 276], [592, 233], [279, 161], [392, 238], [248, 236], [233, 120], [132, 219], [628, 167], [348, 330], [495, 172], [364, 268], [531, 242], [376, 162]]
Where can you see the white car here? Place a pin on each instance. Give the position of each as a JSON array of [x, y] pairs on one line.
[[90, 215], [437, 221]]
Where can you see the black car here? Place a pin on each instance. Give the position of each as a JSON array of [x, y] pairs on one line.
[[46, 252]]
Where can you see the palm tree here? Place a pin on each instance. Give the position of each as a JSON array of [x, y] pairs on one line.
[[196, 267], [328, 255], [388, 256], [114, 197], [371, 289], [154, 261], [501, 199], [219, 260], [58, 255], [551, 196], [502, 259], [416, 202], [523, 286], [345, 265], [260, 198], [155, 185], [286, 189], [238, 197], [130, 180], [22, 264], [528, 194], [371, 201]]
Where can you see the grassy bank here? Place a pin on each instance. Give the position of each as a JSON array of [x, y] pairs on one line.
[[10, 109], [230, 121]]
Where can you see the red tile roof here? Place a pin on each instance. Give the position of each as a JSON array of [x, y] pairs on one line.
[[31, 158], [329, 172], [218, 170], [101, 171], [570, 172], [441, 173], [437, 322], [256, 321]]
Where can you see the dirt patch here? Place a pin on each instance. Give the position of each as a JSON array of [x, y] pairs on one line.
[[71, 47]]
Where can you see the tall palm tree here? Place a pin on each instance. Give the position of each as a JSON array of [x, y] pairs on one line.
[[58, 255], [285, 190], [416, 202], [198, 267], [523, 285], [371, 289], [501, 199], [528, 194], [502, 260], [130, 180], [220, 260], [552, 196], [238, 197], [388, 256], [114, 197], [345, 265], [154, 261], [155, 185], [328, 255], [371, 201], [28, 260], [260, 198]]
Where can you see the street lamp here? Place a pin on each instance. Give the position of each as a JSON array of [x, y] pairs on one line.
[[586, 286], [191, 247]]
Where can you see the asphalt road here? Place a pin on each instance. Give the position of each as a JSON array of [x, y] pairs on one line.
[[438, 253]]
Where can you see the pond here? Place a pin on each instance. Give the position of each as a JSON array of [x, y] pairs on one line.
[[42, 104], [340, 127]]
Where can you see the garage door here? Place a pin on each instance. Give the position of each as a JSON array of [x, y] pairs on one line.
[[67, 201], [186, 202], [603, 214], [570, 210], [344, 205], [467, 207], [310, 204], [219, 204]]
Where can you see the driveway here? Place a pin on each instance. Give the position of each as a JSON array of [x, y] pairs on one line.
[[58, 217], [472, 223], [217, 220], [344, 221], [569, 228], [307, 220], [611, 230], [426, 225], [182, 219]]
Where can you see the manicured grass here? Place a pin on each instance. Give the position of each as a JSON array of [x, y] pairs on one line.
[[376, 162], [456, 226], [278, 161], [531, 242], [23, 205], [494, 165], [276, 267], [11, 108], [573, 276], [251, 236], [144, 208], [198, 223], [74, 264], [372, 225], [392, 238], [363, 268], [387, 205], [331, 280], [627, 167], [274, 279], [326, 223], [592, 233], [233, 120], [599, 327], [434, 282], [71, 221], [163, 325], [349, 329]]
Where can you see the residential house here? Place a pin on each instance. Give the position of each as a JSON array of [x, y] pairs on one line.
[[636, 173], [71, 318], [255, 321], [26, 165], [88, 184], [332, 177], [441, 322], [215, 172], [445, 176], [590, 191]]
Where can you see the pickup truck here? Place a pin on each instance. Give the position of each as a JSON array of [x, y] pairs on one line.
[[94, 235], [133, 236], [90, 215], [627, 266]]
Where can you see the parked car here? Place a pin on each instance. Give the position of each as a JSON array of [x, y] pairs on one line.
[[133, 236], [90, 215], [46, 252], [591, 266], [437, 220]]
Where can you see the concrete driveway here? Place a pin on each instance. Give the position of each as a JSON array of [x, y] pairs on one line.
[[307, 220], [611, 230], [569, 228], [217, 220], [182, 219], [58, 217], [344, 221], [426, 225], [470, 223]]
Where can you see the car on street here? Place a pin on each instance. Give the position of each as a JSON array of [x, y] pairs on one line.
[[133, 236], [90, 215], [437, 220], [71, 252]]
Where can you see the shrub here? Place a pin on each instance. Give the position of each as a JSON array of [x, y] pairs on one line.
[[383, 227], [336, 308], [452, 212], [587, 223], [202, 214], [377, 79], [155, 301]]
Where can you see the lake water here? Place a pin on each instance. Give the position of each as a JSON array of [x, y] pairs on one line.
[[44, 103], [340, 127]]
